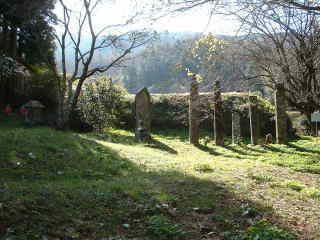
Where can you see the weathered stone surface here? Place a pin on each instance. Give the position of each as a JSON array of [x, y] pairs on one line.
[[254, 120], [143, 114], [194, 103], [236, 127], [269, 139], [281, 117], [218, 116], [35, 112]]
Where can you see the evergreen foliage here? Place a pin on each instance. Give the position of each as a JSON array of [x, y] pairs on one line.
[[26, 32]]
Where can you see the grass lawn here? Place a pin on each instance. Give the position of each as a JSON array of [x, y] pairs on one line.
[[59, 185]]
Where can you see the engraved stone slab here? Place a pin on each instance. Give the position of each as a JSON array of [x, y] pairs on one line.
[[236, 127]]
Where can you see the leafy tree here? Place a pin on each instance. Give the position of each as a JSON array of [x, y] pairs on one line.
[[22, 21], [207, 50]]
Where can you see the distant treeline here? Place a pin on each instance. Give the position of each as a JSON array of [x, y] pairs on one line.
[[162, 67]]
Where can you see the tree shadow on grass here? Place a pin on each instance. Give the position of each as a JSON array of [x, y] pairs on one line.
[[296, 150], [131, 140], [211, 151], [115, 138], [233, 149], [125, 194], [173, 134], [302, 149], [154, 143], [273, 149], [208, 149], [244, 146]]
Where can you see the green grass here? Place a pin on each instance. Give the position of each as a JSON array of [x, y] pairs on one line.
[[62, 185]]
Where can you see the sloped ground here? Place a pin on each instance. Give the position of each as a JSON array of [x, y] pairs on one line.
[[57, 185]]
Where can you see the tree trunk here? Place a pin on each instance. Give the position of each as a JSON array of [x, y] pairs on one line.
[[281, 116], [5, 38], [13, 44]]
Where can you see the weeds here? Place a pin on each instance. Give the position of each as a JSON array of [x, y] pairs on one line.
[[312, 193], [262, 230], [294, 185], [260, 178], [160, 227], [204, 168]]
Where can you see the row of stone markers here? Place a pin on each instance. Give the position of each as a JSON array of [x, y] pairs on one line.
[[143, 116]]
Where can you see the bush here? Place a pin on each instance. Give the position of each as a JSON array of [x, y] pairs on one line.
[[101, 103]]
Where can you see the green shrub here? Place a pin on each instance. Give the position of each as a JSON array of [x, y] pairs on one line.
[[101, 103]]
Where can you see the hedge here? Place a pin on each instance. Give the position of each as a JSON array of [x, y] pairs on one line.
[[171, 111]]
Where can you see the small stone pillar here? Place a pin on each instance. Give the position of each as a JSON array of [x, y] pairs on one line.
[[194, 104], [143, 115], [218, 116], [254, 120], [236, 127], [281, 116]]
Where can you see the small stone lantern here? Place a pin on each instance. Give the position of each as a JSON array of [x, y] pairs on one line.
[[35, 112]]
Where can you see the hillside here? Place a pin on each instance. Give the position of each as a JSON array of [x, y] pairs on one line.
[[62, 185]]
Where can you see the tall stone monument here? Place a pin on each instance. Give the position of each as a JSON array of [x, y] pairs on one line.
[[236, 127], [143, 115], [194, 104], [281, 116], [254, 120], [218, 116]]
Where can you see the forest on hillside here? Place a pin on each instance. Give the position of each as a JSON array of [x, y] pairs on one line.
[[162, 65]]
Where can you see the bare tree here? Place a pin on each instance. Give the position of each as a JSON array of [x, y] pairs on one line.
[[304, 5], [78, 26], [183, 5], [283, 44]]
